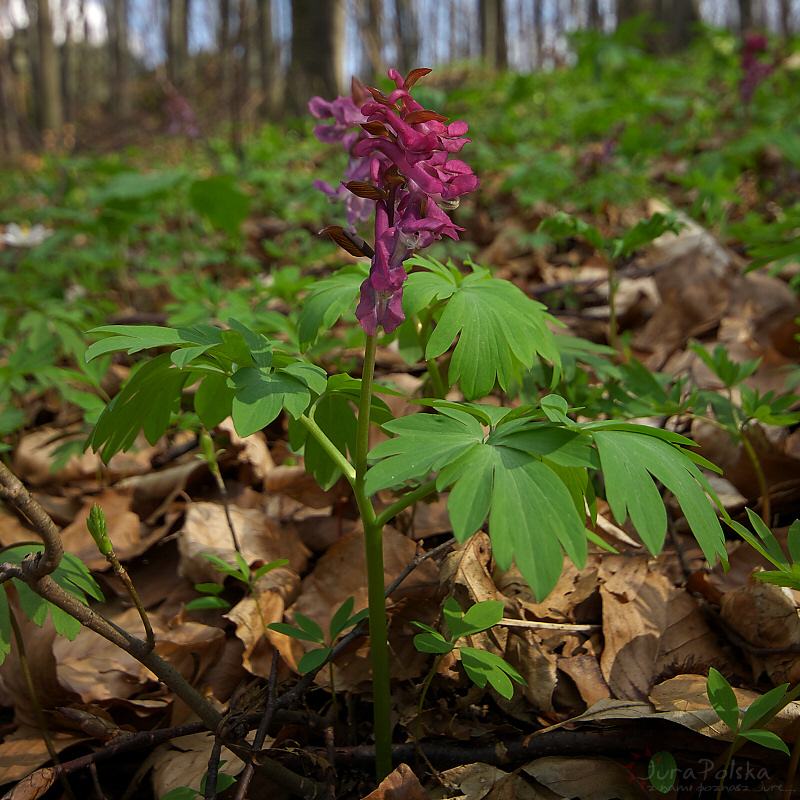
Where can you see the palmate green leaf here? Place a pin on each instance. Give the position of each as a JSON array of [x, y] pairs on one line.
[[327, 301], [213, 399], [132, 339], [629, 455], [500, 331], [409, 456], [531, 511]]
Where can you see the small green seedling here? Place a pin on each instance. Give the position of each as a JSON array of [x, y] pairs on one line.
[[243, 574], [662, 771], [224, 781], [481, 666], [765, 543], [309, 631], [723, 700]]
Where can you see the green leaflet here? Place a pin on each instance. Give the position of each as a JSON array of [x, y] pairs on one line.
[[327, 301], [628, 457], [71, 575], [146, 403], [500, 332], [500, 329], [240, 376]]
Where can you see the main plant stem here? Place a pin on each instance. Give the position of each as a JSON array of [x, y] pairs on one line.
[[373, 543]]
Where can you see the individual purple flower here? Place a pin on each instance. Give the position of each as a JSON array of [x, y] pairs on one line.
[[382, 292]]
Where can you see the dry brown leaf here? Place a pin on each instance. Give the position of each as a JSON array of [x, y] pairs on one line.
[[587, 778], [467, 569], [295, 482], [648, 626], [32, 787], [205, 530], [253, 450], [42, 664], [683, 699], [695, 277], [124, 530], [276, 590], [99, 671], [575, 597], [341, 573], [185, 762], [402, 784], [584, 670], [24, 750], [536, 664], [766, 616]]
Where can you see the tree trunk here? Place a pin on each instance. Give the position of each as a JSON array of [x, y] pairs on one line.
[[9, 124], [745, 15], [317, 44], [595, 20], [271, 80], [177, 42], [52, 112], [786, 13], [117, 11], [493, 34], [406, 35], [371, 34], [669, 27]]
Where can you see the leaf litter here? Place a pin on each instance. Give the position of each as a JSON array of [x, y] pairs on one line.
[[620, 648]]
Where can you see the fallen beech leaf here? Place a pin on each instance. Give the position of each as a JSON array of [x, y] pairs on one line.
[[24, 751], [185, 762], [587, 778], [340, 573], [253, 449], [766, 616], [683, 699], [124, 529], [32, 787], [276, 590], [402, 784], [205, 530], [295, 482]]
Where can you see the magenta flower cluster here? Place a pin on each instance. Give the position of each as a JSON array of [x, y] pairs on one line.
[[400, 161]]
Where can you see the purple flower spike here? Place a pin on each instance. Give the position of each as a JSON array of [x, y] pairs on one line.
[[402, 150]]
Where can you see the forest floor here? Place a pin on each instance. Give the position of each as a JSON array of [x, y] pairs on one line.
[[615, 659]]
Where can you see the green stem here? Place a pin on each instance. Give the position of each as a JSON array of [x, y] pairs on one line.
[[423, 329], [763, 488], [329, 447], [122, 574], [404, 502], [612, 304], [373, 543]]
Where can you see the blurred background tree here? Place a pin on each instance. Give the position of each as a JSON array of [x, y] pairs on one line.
[[86, 72]]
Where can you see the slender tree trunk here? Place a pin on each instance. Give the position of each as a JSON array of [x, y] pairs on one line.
[[671, 21], [271, 80], [117, 11], [595, 20], [371, 17], [317, 42], [406, 35], [786, 12], [493, 34], [9, 124], [50, 98], [177, 42], [745, 15], [539, 33]]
